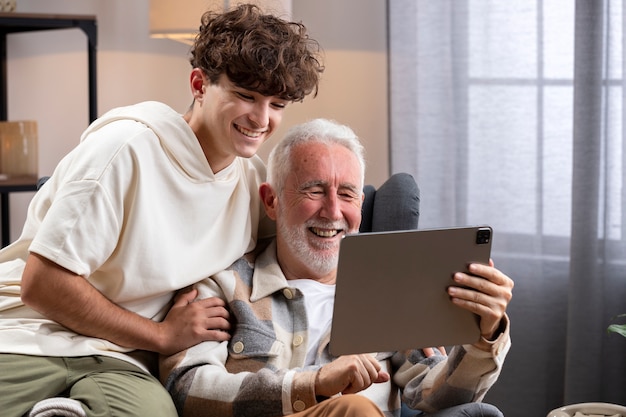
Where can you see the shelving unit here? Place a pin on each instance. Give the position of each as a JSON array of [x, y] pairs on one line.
[[26, 22]]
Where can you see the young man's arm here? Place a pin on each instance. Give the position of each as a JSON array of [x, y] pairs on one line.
[[72, 301]]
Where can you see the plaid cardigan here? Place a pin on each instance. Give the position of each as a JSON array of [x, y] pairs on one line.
[[260, 372]]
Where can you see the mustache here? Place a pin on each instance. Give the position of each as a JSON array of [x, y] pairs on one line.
[[320, 224]]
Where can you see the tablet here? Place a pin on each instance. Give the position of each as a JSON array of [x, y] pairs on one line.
[[391, 289]]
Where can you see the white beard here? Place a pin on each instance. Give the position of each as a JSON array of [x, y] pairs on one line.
[[320, 256]]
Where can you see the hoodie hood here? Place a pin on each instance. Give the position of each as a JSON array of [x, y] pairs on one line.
[[174, 134]]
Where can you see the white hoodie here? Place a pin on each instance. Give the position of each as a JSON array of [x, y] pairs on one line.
[[137, 211]]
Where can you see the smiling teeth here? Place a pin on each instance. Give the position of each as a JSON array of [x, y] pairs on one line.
[[249, 133], [324, 233]]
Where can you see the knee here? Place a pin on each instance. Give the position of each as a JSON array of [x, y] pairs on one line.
[[138, 405], [353, 405], [488, 410], [470, 410], [158, 403], [111, 394], [478, 410], [151, 400]]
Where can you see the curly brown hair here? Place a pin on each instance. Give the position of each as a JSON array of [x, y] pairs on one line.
[[258, 52]]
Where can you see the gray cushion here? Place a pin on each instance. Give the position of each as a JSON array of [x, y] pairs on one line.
[[393, 206]]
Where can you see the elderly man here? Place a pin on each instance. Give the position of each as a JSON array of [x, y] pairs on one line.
[[277, 361]]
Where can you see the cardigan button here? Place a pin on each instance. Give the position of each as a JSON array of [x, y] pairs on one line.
[[299, 405], [297, 341], [288, 293], [238, 347]]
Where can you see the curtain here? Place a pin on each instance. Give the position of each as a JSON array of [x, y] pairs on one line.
[[511, 113]]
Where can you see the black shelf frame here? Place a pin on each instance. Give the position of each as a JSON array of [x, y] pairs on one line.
[[27, 22]]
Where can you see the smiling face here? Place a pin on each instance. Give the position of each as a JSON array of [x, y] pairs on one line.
[[230, 121], [320, 203]]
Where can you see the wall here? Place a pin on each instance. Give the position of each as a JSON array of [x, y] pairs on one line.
[[48, 75], [354, 87]]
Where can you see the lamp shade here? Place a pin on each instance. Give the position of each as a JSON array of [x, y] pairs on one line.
[[180, 20]]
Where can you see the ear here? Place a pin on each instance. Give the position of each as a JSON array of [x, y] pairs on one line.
[[269, 199], [197, 82]]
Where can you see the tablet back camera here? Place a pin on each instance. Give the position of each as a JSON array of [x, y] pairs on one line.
[[483, 236]]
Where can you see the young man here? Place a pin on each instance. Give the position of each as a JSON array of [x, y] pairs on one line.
[[277, 361], [149, 202]]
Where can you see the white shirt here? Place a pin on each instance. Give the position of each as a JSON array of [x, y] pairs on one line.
[[319, 300]]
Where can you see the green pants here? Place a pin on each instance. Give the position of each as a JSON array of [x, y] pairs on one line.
[[104, 386]]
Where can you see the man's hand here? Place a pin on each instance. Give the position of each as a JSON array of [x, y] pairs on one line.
[[190, 322], [487, 293], [431, 351], [348, 375]]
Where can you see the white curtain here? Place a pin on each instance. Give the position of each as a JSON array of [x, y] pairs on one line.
[[510, 113]]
